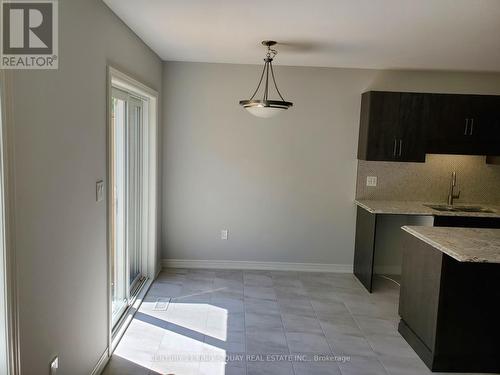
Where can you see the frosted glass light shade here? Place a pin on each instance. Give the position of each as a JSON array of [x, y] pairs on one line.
[[264, 112], [265, 108]]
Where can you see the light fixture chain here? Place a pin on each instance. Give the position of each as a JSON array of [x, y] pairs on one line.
[[260, 81], [271, 52], [274, 80], [266, 89]]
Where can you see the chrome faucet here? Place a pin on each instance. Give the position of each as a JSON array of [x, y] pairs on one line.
[[451, 194]]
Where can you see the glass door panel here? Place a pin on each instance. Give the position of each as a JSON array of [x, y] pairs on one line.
[[128, 179], [119, 292], [135, 182], [4, 342]]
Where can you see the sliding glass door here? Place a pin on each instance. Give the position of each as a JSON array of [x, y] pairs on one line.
[[4, 342], [128, 198], [134, 157]]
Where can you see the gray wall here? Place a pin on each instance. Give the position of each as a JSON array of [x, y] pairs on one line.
[[284, 187], [60, 151]]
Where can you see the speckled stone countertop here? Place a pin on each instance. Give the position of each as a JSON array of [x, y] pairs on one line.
[[419, 208], [463, 244]]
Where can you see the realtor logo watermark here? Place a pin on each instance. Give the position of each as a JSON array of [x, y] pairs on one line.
[[29, 37]]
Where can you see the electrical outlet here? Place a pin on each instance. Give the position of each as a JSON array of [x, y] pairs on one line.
[[224, 234], [54, 365], [371, 181], [99, 191]]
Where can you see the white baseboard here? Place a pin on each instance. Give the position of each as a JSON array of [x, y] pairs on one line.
[[103, 361], [249, 265]]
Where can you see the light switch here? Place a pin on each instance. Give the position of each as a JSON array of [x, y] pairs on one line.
[[99, 191], [54, 365], [371, 181]]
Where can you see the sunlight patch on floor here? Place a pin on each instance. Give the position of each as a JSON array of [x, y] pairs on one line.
[[176, 333]]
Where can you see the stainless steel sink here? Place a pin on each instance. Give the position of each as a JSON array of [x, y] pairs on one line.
[[447, 208]]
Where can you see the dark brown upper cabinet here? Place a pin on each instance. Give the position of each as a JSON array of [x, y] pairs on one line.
[[488, 126], [392, 126], [464, 124], [398, 126]]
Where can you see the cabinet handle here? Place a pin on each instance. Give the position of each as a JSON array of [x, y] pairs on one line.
[[395, 147], [400, 146], [471, 126], [466, 126]]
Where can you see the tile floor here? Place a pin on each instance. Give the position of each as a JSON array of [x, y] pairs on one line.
[[225, 322]]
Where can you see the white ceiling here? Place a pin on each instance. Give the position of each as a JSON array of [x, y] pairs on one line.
[[406, 34]]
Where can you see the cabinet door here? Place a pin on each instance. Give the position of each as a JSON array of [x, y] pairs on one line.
[[419, 292], [464, 124], [383, 126], [485, 124], [449, 124], [494, 134], [364, 247], [414, 114]]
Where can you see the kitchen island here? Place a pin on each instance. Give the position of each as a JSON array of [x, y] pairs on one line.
[[450, 297]]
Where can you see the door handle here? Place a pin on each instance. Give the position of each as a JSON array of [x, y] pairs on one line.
[[466, 126], [471, 126], [395, 147], [400, 147]]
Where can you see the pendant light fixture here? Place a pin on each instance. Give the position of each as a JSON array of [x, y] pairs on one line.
[[266, 107]]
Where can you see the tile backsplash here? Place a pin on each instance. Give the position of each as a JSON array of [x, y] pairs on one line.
[[430, 181]]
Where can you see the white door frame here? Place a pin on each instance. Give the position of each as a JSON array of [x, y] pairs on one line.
[[126, 83], [7, 206]]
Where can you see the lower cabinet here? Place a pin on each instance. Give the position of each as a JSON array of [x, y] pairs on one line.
[[378, 235], [364, 247], [466, 222], [369, 239], [449, 310]]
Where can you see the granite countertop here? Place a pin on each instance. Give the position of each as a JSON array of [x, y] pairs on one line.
[[463, 244], [419, 208]]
